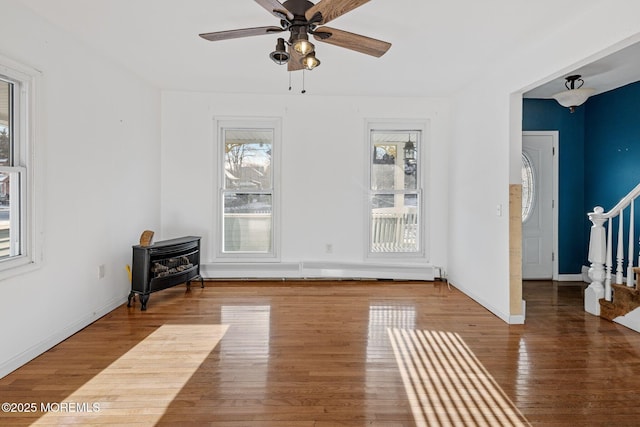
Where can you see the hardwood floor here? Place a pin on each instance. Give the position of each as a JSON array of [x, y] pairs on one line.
[[341, 353]]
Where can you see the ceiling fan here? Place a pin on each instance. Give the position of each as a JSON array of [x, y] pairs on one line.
[[301, 18]]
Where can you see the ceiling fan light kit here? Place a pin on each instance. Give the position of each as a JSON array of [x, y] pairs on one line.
[[300, 40], [309, 62], [301, 18], [573, 96], [280, 56]]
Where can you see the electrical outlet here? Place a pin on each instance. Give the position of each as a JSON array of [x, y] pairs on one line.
[[101, 271], [329, 248]]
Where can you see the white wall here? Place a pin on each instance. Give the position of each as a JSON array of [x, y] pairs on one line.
[[323, 160], [99, 145], [487, 143], [479, 179]]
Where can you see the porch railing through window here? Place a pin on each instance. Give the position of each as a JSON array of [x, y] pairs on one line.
[[394, 230]]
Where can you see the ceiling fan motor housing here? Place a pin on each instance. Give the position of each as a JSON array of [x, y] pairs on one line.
[[298, 8]]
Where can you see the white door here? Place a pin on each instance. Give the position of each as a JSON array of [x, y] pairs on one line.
[[538, 150]]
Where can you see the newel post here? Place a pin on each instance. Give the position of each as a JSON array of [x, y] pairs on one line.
[[597, 254]]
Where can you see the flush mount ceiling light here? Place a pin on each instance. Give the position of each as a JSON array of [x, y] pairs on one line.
[[301, 18], [575, 95]]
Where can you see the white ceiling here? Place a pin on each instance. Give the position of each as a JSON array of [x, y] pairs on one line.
[[438, 46], [613, 71]]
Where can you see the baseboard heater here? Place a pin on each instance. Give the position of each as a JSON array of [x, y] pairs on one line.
[[317, 269]]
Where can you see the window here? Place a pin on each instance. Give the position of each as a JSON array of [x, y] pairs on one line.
[[528, 187], [395, 191], [247, 190], [17, 190]]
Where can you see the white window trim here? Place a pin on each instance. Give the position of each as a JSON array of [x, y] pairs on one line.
[[422, 255], [27, 163], [271, 123]]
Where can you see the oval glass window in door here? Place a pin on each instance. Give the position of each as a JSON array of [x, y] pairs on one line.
[[528, 187]]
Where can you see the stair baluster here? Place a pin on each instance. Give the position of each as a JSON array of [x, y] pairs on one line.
[[609, 261], [630, 262], [620, 250]]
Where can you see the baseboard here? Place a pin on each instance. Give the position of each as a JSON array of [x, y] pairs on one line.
[[250, 270], [519, 319], [26, 356], [368, 271], [317, 269], [506, 317], [570, 278]]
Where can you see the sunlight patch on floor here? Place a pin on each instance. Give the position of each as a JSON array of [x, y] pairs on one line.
[[446, 384], [142, 383]]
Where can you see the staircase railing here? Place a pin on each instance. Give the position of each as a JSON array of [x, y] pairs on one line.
[[601, 251]]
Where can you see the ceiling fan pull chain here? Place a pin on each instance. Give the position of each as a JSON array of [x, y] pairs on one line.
[[303, 89], [289, 80]]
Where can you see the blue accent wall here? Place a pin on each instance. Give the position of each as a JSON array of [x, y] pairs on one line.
[[599, 161], [612, 150], [547, 114], [612, 146]]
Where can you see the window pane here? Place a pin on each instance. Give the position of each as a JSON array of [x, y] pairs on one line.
[[5, 217], [394, 161], [394, 223], [9, 215], [5, 123], [247, 159], [247, 223]]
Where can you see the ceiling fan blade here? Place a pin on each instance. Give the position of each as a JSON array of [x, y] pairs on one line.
[[245, 32], [295, 60], [352, 41], [331, 9], [275, 8]]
